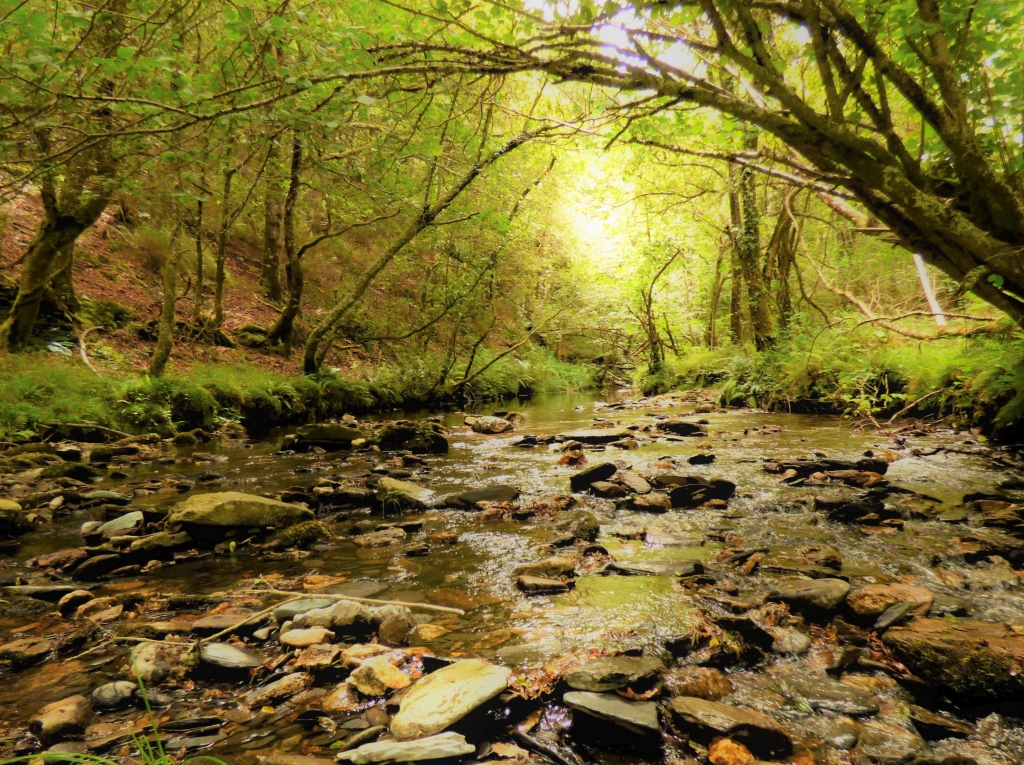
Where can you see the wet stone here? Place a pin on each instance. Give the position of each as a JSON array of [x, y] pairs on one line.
[[539, 585], [811, 594], [639, 717], [706, 719], [887, 744], [281, 688], [826, 693], [614, 672], [227, 656], [62, 719], [700, 682], [303, 638], [115, 695], [582, 480], [444, 746], [377, 676]]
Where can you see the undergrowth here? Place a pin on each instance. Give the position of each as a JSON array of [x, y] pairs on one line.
[[40, 388], [976, 382]]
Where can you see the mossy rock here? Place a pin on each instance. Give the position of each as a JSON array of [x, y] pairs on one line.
[[76, 470], [419, 439], [974, 662], [303, 535], [233, 509], [251, 339]]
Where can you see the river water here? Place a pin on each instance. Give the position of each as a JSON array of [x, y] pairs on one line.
[[475, 574]]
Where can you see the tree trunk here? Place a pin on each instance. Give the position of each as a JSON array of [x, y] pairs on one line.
[[749, 252], [736, 313], [63, 283], [281, 332], [710, 336], [270, 276], [165, 339], [785, 255], [222, 242], [198, 315]]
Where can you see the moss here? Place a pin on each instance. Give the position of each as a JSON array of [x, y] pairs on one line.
[[75, 470], [303, 535], [189, 602]]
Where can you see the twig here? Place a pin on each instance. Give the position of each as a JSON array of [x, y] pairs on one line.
[[81, 348], [371, 601]]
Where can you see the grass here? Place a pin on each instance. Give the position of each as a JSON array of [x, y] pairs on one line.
[[39, 388], [975, 382]]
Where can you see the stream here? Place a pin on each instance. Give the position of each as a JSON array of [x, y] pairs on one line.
[[697, 573]]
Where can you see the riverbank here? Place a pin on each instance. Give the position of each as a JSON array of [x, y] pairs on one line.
[[968, 383], [41, 388], [633, 581]]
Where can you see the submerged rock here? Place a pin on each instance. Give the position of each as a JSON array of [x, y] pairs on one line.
[[402, 494], [442, 746], [495, 493], [595, 436], [553, 567], [443, 698], [491, 425], [701, 682], [614, 672], [542, 585], [326, 435], [973, 661], [230, 509], [282, 688], [826, 693], [874, 599], [683, 427], [761, 734], [639, 717], [811, 594]]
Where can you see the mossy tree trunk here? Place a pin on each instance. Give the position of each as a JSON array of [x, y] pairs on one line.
[[737, 312], [749, 255], [165, 338], [270, 274], [281, 332], [222, 242]]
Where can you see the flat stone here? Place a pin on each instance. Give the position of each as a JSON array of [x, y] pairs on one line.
[[495, 493], [582, 480], [811, 594], [555, 566], [656, 568], [382, 538], [288, 611], [227, 656], [614, 672], [826, 693], [761, 734], [345, 617], [887, 744], [972, 661], [327, 435], [655, 502], [597, 436], [24, 652], [607, 490], [214, 623], [639, 717], [97, 566], [317, 657], [634, 483], [344, 699], [303, 638], [491, 425], [541, 585], [403, 494], [442, 746], [444, 697], [376, 676], [123, 525], [232, 509], [873, 599], [683, 428], [934, 726], [282, 688]]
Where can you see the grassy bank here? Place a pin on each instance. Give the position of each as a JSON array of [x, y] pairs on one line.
[[973, 382], [41, 388]]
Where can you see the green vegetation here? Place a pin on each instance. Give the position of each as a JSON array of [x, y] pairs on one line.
[[815, 205], [37, 389]]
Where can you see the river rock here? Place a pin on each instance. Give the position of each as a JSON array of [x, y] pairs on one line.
[[542, 585], [975, 662], [873, 599], [934, 726], [404, 495], [343, 699], [121, 526], [607, 490], [160, 544], [582, 480], [639, 717], [97, 566], [395, 628], [444, 697], [288, 611], [440, 747], [683, 427], [227, 656], [383, 538], [655, 502], [491, 425], [281, 688], [705, 720], [61, 719], [345, 617], [152, 662], [69, 603], [376, 676], [495, 493], [228, 509], [418, 438], [115, 695], [614, 672], [326, 435], [303, 638], [596, 436], [553, 567], [814, 595], [634, 483], [25, 652], [701, 682], [826, 693], [13, 520], [887, 744]]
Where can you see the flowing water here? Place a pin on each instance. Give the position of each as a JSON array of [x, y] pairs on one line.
[[475, 574]]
